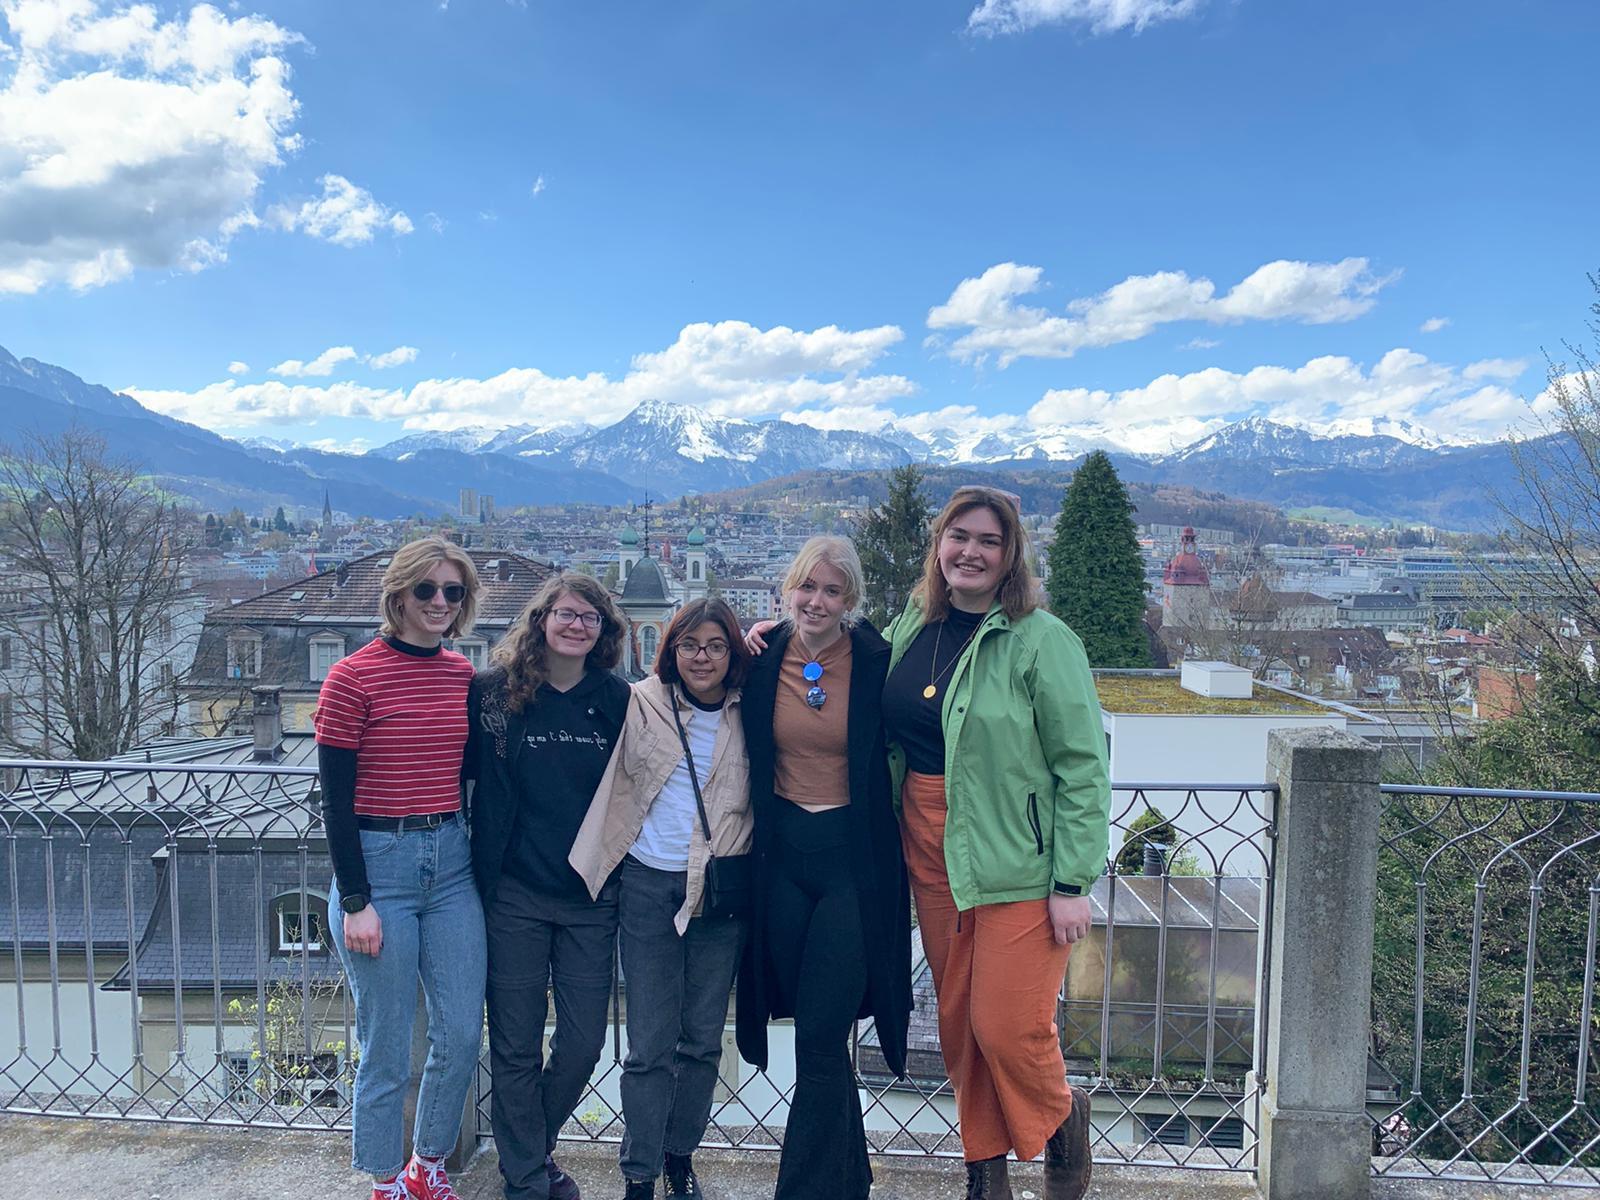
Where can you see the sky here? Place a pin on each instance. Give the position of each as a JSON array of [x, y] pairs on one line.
[[338, 223]]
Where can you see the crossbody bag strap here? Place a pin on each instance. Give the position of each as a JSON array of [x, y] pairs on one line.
[[694, 776]]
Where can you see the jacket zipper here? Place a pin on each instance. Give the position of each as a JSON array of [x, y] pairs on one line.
[[1033, 820]]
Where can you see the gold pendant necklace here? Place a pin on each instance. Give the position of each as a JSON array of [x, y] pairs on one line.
[[932, 690]]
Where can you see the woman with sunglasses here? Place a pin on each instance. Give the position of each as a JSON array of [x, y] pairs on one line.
[[999, 762], [675, 797], [830, 929], [546, 716], [391, 727]]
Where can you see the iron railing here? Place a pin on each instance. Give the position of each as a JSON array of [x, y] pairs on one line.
[[1488, 909], [167, 933]]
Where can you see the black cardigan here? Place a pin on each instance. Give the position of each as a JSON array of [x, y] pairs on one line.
[[879, 863]]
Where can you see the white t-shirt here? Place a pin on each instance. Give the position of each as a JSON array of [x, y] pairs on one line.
[[663, 841]]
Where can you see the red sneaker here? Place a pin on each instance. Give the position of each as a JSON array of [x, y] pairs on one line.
[[426, 1180], [390, 1189]]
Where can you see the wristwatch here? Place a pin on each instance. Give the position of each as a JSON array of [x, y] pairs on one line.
[[354, 902]]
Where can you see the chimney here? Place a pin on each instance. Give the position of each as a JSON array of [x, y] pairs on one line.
[[267, 715], [341, 574], [1155, 859], [503, 570]]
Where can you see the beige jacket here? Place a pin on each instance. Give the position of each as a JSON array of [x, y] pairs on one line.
[[645, 756]]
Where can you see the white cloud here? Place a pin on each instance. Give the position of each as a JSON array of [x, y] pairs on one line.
[[340, 446], [1099, 16], [1200, 343], [1402, 385], [538, 185], [129, 142], [1496, 368], [730, 368], [1310, 293], [398, 357], [238, 368], [344, 214], [1433, 325], [320, 366], [435, 221]]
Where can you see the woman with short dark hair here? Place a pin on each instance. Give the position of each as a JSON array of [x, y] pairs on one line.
[[674, 806], [546, 716]]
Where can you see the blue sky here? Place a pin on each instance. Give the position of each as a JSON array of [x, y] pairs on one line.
[[1137, 217]]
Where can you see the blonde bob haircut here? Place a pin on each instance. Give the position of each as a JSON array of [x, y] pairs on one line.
[[413, 563], [838, 553], [1019, 592]]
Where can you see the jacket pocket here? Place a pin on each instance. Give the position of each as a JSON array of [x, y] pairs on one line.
[[1033, 822]]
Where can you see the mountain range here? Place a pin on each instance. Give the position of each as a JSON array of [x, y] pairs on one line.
[[1387, 468]]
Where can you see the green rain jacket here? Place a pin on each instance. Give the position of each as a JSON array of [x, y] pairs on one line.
[[1025, 775]]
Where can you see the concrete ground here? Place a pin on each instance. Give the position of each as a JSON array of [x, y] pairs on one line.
[[51, 1158]]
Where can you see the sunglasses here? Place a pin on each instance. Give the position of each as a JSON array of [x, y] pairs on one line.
[[454, 593]]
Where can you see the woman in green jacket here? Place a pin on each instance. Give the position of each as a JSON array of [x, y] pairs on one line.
[[998, 758]]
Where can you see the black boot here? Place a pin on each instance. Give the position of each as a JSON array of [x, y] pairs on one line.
[[987, 1180], [640, 1189], [1067, 1163], [679, 1176]]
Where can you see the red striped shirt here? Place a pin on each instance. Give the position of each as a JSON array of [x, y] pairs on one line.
[[406, 717]]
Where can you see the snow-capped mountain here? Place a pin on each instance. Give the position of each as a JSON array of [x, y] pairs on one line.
[[467, 439], [676, 446], [534, 441], [1276, 445]]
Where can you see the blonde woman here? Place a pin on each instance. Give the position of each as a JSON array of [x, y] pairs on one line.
[[391, 728], [546, 716], [830, 931]]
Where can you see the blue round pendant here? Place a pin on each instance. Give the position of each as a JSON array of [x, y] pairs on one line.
[[812, 671], [815, 697]]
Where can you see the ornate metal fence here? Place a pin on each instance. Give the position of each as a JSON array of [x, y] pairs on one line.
[[1483, 987], [168, 960]]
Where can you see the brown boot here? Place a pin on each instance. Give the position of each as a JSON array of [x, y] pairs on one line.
[[987, 1180], [1067, 1165]]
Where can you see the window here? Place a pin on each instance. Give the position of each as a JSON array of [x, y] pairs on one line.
[[694, 569], [326, 649], [1166, 1129], [164, 674], [5, 653], [1225, 1133], [648, 638], [6, 722], [164, 628], [475, 652], [244, 657], [296, 926], [102, 639]]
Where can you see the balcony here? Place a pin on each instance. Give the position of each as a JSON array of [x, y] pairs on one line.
[[1293, 984]]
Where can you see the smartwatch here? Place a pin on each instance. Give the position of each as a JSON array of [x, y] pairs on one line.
[[354, 902]]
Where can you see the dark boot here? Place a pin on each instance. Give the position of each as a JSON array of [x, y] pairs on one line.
[[679, 1176], [987, 1180], [640, 1189], [1067, 1165], [562, 1185]]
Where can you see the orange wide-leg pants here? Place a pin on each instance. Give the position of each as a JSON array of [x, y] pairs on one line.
[[997, 972]]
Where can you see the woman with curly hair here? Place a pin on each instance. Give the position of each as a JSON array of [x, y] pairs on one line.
[[392, 729], [546, 716]]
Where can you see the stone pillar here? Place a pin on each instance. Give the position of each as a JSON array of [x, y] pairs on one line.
[[1316, 1140], [467, 1141]]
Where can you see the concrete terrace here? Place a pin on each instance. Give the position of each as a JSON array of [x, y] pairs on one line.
[[51, 1158]]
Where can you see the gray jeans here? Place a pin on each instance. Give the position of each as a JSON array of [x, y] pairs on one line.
[[677, 990], [540, 945]]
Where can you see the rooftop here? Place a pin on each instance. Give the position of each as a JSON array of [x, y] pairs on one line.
[[1158, 693]]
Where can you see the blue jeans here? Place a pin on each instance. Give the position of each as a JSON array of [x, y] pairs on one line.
[[423, 890], [677, 1009]]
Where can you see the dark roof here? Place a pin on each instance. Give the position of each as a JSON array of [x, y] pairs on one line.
[[321, 595], [645, 584], [92, 833]]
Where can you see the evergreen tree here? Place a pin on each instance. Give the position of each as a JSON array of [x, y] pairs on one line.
[[892, 540], [279, 522], [1096, 582]]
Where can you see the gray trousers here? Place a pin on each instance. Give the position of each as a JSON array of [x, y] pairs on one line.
[[677, 989], [541, 945]]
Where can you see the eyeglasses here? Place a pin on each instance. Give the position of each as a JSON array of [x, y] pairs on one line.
[[425, 590], [815, 696], [714, 651], [571, 616]]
